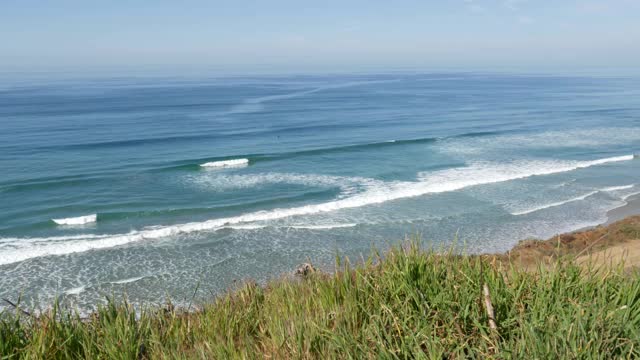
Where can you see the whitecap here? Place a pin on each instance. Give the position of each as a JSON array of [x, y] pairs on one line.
[[617, 188], [80, 220], [226, 163]]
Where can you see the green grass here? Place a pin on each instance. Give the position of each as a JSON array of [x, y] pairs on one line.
[[409, 304]]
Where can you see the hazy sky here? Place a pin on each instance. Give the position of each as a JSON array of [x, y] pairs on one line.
[[324, 34]]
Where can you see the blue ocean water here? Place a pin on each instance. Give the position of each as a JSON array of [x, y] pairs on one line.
[[154, 185]]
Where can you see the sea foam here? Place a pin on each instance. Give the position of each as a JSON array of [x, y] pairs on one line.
[[80, 220], [75, 291], [226, 163], [578, 198], [618, 188], [219, 182], [554, 204], [428, 183], [128, 280], [628, 196]]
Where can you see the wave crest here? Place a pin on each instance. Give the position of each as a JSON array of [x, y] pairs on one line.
[[226, 163], [80, 220], [436, 182]]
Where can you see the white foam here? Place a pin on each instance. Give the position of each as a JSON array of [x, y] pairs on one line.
[[75, 291], [245, 227], [435, 182], [596, 137], [21, 241], [226, 163], [309, 227], [578, 198], [555, 204], [617, 188], [626, 197], [80, 220], [322, 227], [487, 173], [127, 281], [225, 182]]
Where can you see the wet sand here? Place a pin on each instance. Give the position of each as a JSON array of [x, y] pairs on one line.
[[631, 208]]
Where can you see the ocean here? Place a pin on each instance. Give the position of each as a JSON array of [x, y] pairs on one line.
[[158, 186]]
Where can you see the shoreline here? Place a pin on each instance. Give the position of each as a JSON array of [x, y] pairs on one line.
[[631, 208]]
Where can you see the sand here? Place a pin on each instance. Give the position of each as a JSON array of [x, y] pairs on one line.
[[611, 244], [631, 208]]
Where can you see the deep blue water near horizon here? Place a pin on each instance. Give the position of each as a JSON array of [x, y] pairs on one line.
[[319, 165]]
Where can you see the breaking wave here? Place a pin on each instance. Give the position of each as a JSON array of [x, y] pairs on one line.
[[80, 220], [578, 198], [554, 204], [226, 163], [618, 188], [16, 250]]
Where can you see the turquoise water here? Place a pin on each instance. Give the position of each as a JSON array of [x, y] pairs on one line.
[[157, 184]]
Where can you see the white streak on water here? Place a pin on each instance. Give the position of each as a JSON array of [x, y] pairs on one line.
[[127, 281], [555, 204], [74, 291], [578, 198], [80, 220], [617, 188], [226, 163]]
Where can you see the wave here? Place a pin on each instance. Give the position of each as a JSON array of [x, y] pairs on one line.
[[618, 188], [230, 207], [135, 142], [436, 182], [585, 138], [555, 204], [628, 196], [486, 173], [256, 158], [80, 220], [226, 163], [578, 198], [298, 227], [224, 182], [245, 227]]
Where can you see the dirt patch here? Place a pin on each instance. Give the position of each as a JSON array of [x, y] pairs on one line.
[[608, 244]]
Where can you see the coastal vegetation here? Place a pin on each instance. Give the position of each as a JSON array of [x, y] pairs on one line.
[[543, 299]]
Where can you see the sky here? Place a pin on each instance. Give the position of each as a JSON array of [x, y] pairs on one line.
[[298, 35]]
